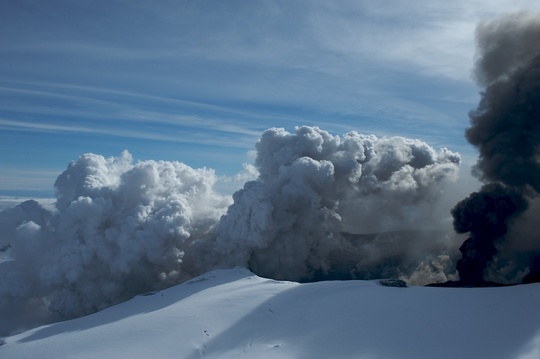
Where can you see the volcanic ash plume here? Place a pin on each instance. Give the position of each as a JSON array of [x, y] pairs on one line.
[[320, 200], [506, 125], [486, 215], [119, 230], [323, 206], [506, 130]]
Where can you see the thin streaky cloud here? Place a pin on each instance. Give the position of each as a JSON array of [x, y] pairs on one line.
[[417, 113], [13, 179], [52, 95], [183, 104], [10, 125], [109, 91], [122, 112], [173, 79]]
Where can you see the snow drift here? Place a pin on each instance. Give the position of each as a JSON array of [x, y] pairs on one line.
[[235, 314]]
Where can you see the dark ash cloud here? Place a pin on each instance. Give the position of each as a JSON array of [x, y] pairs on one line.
[[505, 128]]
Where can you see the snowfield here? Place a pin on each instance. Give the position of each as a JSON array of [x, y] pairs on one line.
[[236, 314]]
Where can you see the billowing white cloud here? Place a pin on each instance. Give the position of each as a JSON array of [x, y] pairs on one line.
[[314, 187], [120, 229], [322, 206]]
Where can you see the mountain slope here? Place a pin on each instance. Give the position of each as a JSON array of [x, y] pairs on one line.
[[233, 313]]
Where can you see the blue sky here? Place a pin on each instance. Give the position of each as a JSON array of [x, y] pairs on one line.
[[198, 81]]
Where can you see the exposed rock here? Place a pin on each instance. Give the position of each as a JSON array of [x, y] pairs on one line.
[[393, 283]]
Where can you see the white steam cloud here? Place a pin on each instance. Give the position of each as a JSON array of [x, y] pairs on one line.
[[314, 187], [119, 230], [323, 206]]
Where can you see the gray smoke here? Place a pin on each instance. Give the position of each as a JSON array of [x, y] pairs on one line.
[[505, 44], [486, 215], [506, 130], [324, 206], [506, 125], [320, 200], [119, 230]]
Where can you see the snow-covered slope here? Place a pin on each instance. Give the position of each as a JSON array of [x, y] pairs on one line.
[[235, 314]]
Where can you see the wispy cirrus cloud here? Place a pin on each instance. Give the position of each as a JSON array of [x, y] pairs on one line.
[[106, 114], [208, 74], [170, 136]]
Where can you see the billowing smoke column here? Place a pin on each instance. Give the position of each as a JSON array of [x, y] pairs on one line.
[[119, 230], [320, 198], [506, 130], [486, 215], [323, 206]]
